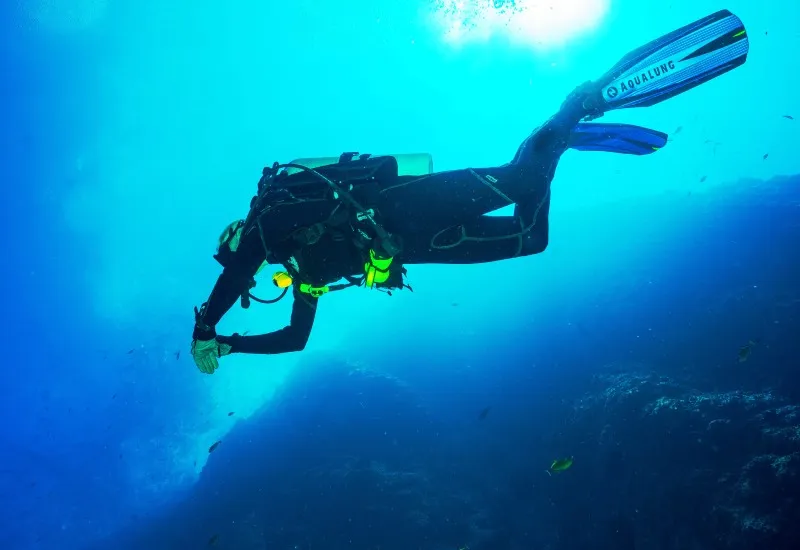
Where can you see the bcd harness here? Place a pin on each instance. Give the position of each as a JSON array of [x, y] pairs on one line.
[[378, 268]]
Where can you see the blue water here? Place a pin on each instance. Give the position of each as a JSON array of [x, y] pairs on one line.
[[655, 340]]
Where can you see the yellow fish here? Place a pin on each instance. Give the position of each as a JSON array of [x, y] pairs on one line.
[[560, 465], [744, 351]]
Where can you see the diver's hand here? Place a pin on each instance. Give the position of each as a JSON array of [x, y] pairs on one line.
[[206, 352]]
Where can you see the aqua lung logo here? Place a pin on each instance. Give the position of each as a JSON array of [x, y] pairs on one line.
[[628, 85]]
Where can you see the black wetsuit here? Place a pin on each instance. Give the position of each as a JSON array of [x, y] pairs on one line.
[[438, 217]]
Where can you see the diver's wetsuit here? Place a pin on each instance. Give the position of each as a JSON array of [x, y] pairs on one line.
[[439, 218]]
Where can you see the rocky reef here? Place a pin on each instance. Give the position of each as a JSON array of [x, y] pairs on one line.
[[692, 468], [345, 457], [342, 457]]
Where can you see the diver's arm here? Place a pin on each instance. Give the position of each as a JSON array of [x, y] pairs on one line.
[[287, 339], [234, 280]]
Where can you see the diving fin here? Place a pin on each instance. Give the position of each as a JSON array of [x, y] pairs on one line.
[[616, 138], [675, 63]]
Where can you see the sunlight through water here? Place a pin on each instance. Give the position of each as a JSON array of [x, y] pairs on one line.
[[539, 23]]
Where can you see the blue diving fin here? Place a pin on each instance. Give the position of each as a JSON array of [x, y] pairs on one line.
[[616, 138], [675, 63]]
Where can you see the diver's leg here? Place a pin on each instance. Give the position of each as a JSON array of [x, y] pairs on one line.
[[484, 239], [441, 217], [445, 221], [547, 143], [457, 195], [445, 199]]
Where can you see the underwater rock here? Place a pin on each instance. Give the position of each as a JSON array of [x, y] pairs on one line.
[[723, 465], [348, 445]]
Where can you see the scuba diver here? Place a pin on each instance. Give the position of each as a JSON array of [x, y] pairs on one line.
[[362, 219]]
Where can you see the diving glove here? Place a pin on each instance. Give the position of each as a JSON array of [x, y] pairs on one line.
[[206, 352]]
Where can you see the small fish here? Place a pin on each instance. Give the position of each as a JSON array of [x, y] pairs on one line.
[[704, 178], [790, 117], [484, 413], [677, 130], [231, 413], [765, 156], [213, 540], [214, 447], [130, 351], [560, 465], [177, 355], [745, 351]]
